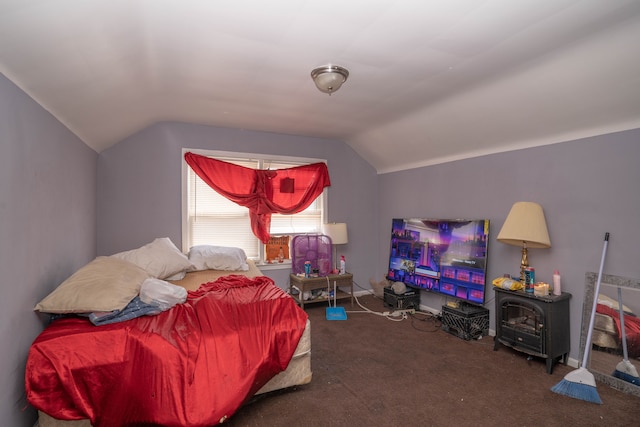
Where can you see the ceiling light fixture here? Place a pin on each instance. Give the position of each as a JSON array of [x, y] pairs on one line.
[[329, 78]]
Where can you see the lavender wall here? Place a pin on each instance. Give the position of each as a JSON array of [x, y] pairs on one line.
[[586, 188], [52, 219], [47, 228], [139, 187]]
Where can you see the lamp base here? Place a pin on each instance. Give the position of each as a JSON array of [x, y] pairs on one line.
[[524, 262], [335, 261]]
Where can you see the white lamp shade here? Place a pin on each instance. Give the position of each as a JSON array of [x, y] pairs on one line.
[[337, 231], [525, 224]]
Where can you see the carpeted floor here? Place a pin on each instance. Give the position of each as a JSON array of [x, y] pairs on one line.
[[370, 371]]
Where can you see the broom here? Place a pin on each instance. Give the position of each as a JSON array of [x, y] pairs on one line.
[[625, 370], [581, 384]]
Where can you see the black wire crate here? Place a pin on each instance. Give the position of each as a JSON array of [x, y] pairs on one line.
[[410, 299], [467, 321]]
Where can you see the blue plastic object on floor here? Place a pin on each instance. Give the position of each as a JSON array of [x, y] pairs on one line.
[[336, 313]]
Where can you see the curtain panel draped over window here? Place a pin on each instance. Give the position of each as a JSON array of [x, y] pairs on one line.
[[284, 191]]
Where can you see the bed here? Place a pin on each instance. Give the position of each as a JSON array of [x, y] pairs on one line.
[[236, 335], [606, 328]]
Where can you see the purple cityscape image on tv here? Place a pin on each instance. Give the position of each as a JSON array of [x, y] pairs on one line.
[[448, 256]]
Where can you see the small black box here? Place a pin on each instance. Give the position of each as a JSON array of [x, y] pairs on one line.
[[467, 321], [410, 299]]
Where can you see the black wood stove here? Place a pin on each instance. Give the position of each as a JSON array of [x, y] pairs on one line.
[[535, 325]]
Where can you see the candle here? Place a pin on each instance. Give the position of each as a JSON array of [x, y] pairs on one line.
[[541, 289]]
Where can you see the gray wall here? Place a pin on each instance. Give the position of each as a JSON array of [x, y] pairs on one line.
[[586, 188], [139, 187], [47, 228]]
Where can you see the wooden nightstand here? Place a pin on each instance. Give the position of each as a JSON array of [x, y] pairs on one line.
[[344, 286]]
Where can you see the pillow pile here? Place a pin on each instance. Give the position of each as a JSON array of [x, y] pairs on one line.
[[160, 258], [110, 283], [208, 257], [105, 284]]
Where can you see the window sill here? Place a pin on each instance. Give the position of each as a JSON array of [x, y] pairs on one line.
[[274, 266]]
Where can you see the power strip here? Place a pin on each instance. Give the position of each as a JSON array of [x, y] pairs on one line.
[[397, 313], [403, 312]]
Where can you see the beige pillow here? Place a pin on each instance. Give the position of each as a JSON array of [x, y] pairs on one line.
[[105, 284], [160, 258]]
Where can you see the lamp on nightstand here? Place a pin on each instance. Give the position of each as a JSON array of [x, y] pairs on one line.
[[337, 231], [525, 226]]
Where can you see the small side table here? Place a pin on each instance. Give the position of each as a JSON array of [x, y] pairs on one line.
[[343, 282]]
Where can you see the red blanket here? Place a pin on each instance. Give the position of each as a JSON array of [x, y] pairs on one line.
[[631, 328], [192, 365]]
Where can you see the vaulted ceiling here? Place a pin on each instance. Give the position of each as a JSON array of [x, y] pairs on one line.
[[430, 80]]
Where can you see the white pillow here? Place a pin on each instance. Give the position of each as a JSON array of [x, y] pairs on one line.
[[105, 284], [160, 258], [162, 294], [207, 257]]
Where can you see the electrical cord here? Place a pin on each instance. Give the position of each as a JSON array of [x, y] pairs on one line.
[[392, 316], [426, 317], [432, 321], [389, 316]]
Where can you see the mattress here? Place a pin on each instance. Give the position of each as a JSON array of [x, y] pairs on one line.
[[298, 371], [605, 332], [194, 279]]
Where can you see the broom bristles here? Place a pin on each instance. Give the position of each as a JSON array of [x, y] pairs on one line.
[[579, 384], [627, 372]]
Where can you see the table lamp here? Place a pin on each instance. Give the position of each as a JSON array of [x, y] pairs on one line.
[[525, 226], [337, 231]]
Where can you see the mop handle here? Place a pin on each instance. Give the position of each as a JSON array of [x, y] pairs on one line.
[[587, 346], [622, 332]]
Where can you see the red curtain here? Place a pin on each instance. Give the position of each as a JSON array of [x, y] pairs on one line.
[[285, 191]]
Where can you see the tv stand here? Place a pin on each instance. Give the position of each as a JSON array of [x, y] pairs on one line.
[[538, 326]]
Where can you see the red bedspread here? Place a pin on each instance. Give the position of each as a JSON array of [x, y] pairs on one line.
[[192, 365]]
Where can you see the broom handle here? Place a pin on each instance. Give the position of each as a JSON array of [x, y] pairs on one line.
[[622, 332], [587, 346]]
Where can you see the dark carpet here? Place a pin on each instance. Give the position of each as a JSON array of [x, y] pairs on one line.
[[370, 371]]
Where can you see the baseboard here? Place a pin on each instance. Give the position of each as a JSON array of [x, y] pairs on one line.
[[574, 363], [362, 293], [431, 310]]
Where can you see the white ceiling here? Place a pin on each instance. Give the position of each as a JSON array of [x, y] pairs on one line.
[[431, 80]]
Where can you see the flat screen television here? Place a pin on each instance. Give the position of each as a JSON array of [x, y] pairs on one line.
[[447, 256]]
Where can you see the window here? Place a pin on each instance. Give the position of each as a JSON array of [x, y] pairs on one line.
[[209, 218]]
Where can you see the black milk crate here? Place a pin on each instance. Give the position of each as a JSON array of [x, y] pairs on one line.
[[467, 321], [410, 299]]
